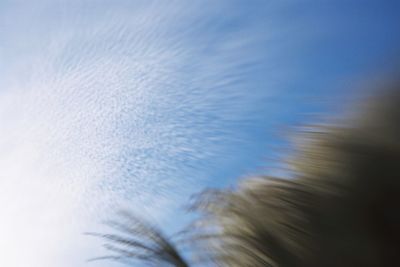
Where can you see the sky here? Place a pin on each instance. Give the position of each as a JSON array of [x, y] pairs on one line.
[[140, 104]]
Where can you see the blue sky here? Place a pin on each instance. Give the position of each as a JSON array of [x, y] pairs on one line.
[[139, 104]]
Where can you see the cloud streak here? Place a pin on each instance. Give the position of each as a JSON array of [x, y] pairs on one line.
[[102, 105], [141, 103]]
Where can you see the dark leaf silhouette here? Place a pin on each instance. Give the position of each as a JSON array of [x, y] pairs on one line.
[[138, 239]]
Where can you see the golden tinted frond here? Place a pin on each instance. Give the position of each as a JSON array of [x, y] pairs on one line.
[[341, 208]]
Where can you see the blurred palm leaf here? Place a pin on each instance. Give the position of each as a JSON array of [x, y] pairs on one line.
[[340, 206], [137, 239]]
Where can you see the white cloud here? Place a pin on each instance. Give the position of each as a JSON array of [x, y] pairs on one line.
[[102, 105]]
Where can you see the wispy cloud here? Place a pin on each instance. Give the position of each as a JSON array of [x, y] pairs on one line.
[[103, 105], [109, 103]]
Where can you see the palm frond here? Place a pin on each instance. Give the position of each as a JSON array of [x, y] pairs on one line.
[[340, 208], [137, 239]]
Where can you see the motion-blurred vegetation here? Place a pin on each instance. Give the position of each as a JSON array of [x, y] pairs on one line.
[[340, 206]]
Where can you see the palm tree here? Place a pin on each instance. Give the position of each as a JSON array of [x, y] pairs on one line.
[[340, 207]]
